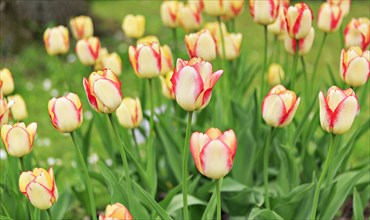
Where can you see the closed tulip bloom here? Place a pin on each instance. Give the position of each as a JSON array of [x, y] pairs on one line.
[[146, 59], [103, 52], [304, 44], [166, 60], [169, 13], [201, 45], [357, 33], [232, 46], [279, 106], [343, 4], [65, 112], [87, 50], [4, 110], [216, 8], [39, 187], [81, 27], [355, 66], [112, 61], [56, 40], [330, 17], [116, 211], [298, 20], [264, 12], [129, 113], [190, 17], [148, 39], [214, 29], [19, 109], [7, 82], [133, 26], [275, 75], [234, 9], [278, 27], [198, 3], [167, 88], [18, 139], [193, 82], [103, 91], [213, 152], [338, 110]]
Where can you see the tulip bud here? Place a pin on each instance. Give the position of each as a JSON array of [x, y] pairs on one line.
[[232, 46], [87, 50], [234, 9], [213, 152], [103, 91], [278, 27], [133, 26], [113, 62], [330, 17], [338, 110], [103, 52], [147, 40], [18, 139], [169, 13], [298, 20], [166, 60], [264, 12], [146, 59], [355, 66], [190, 17], [81, 27], [129, 113], [19, 109], [201, 45], [193, 82], [218, 8], [116, 211], [214, 29], [4, 110], [39, 187], [304, 44], [279, 106], [65, 112], [343, 4], [56, 40], [357, 33], [166, 83], [7, 82], [275, 75]]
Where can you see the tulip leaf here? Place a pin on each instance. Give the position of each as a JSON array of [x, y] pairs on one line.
[[177, 203], [257, 213], [358, 209], [59, 209], [231, 185], [5, 217], [288, 176], [211, 207], [164, 203]]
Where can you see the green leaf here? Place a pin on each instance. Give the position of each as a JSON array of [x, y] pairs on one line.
[[177, 203], [257, 213], [211, 207], [288, 176], [59, 209], [358, 209], [231, 185], [5, 218]]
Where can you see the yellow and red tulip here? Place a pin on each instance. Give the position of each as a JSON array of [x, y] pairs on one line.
[[201, 45], [279, 26], [279, 106], [18, 139], [193, 82], [103, 91], [65, 112], [103, 52], [4, 109], [298, 20], [116, 211], [146, 59], [39, 187], [275, 74], [338, 110], [56, 40], [214, 29], [234, 9], [264, 12], [87, 50], [81, 26], [190, 17], [167, 88], [7, 82], [19, 109], [133, 26], [213, 152], [166, 60], [147, 39], [355, 66], [330, 17], [343, 4], [232, 42], [304, 44], [216, 8], [170, 12], [112, 61], [357, 33], [129, 113]]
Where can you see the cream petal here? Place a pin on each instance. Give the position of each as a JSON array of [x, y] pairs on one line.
[[273, 109], [107, 92], [66, 115], [325, 115], [39, 196], [290, 114], [18, 142], [357, 72], [148, 63], [24, 179], [215, 159], [345, 115]]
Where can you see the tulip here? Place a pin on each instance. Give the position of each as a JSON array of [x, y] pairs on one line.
[[146, 59], [343, 4], [19, 109], [214, 29], [129, 113], [147, 39], [213, 152], [190, 17], [113, 62], [264, 12], [355, 66], [87, 50], [6, 78], [103, 52], [65, 112], [198, 3], [214, 8], [169, 13], [338, 110], [193, 82], [56, 40], [133, 26], [39, 187], [232, 46], [279, 106], [4, 110], [116, 211], [357, 33], [275, 75], [18, 139], [234, 9], [166, 60], [81, 27], [201, 45], [330, 17], [304, 44], [166, 83], [298, 20], [103, 91], [278, 27]]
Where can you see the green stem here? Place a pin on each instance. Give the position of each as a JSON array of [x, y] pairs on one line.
[[295, 62], [22, 164], [264, 62], [341, 36], [175, 46], [274, 46], [305, 76], [317, 191], [185, 155], [49, 214], [265, 168], [124, 159], [318, 59], [87, 177], [151, 153], [218, 192], [136, 144], [23, 170]]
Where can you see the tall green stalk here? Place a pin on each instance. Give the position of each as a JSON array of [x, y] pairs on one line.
[[341, 37], [295, 62], [264, 62], [49, 214], [185, 155], [322, 176], [87, 177], [318, 59], [218, 191], [305, 76], [265, 168], [136, 144], [151, 152], [176, 46]]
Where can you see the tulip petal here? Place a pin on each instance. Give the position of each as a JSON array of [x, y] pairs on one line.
[[24, 180], [288, 117], [344, 115], [108, 93], [31, 129], [229, 138], [4, 131], [325, 113], [215, 159], [39, 196], [273, 109], [66, 117], [197, 142], [90, 97], [358, 72], [18, 141]]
